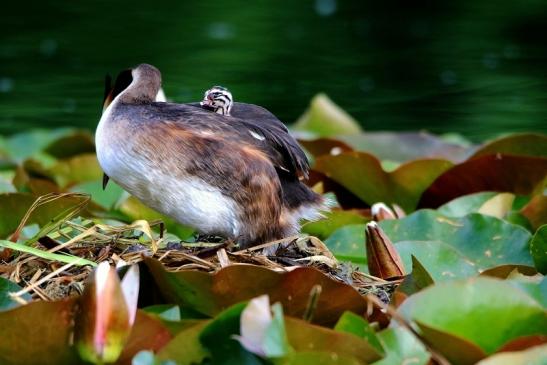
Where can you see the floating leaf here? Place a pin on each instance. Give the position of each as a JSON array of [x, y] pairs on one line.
[[325, 146], [372, 184], [487, 312], [38, 334], [538, 248], [209, 294], [304, 337], [186, 347], [7, 287], [325, 118], [414, 282], [14, 206], [219, 338], [466, 204], [401, 347], [73, 144], [148, 333], [486, 241], [334, 219], [526, 144], [532, 356], [76, 169], [536, 211], [348, 243], [404, 146], [506, 173], [352, 323], [497, 206]]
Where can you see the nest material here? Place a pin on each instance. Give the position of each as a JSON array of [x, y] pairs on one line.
[[50, 280]]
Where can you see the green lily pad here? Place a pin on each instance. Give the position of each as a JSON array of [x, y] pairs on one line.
[[487, 312], [414, 282], [485, 241], [304, 337], [466, 204], [7, 287], [13, 207], [24, 145], [358, 326], [106, 198], [333, 221], [76, 169], [325, 118], [401, 347], [73, 144], [538, 248], [348, 243], [362, 174]]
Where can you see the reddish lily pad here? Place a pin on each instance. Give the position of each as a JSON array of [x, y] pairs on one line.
[[362, 174], [38, 333], [404, 146], [505, 173], [525, 144], [209, 294]]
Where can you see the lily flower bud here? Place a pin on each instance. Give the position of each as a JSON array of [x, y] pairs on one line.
[[106, 314], [383, 259]]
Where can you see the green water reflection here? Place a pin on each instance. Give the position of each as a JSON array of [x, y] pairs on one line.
[[470, 66]]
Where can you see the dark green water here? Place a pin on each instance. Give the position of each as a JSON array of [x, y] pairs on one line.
[[469, 66]]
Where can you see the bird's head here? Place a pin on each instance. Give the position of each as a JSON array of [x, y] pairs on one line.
[[218, 99]]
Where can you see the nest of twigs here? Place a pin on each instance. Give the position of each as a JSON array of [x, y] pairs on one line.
[[57, 267]]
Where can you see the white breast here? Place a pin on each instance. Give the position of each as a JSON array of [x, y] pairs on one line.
[[187, 199]]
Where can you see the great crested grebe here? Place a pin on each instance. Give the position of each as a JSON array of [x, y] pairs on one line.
[[233, 176]]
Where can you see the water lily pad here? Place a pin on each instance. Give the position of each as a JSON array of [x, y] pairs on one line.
[[362, 174], [325, 118], [13, 206], [38, 333], [77, 169], [404, 146], [538, 248], [7, 287], [487, 312], [532, 356], [485, 241], [525, 144], [334, 220], [72, 144], [504, 173], [402, 347], [209, 294], [358, 326], [304, 337]]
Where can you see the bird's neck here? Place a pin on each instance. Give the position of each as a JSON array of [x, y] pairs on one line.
[[142, 90]]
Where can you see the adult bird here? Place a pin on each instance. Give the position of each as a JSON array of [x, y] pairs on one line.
[[223, 175]]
